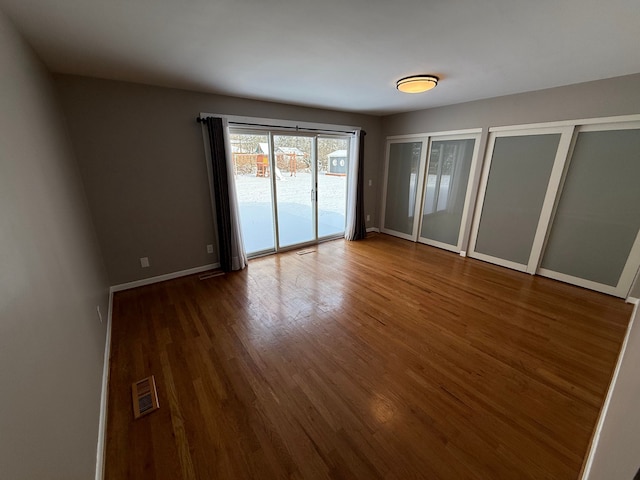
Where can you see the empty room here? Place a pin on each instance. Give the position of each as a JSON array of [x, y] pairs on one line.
[[319, 240]]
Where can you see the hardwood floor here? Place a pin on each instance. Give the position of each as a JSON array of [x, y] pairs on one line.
[[364, 360]]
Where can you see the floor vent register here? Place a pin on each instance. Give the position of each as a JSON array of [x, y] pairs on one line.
[[145, 397]]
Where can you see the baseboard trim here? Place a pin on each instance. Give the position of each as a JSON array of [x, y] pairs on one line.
[[586, 469], [162, 278], [104, 396], [373, 229], [632, 300]]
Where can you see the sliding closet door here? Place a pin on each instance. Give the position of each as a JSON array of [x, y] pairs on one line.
[[404, 174], [520, 181], [594, 236], [447, 190]]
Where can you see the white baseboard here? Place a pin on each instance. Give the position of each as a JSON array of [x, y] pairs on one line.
[[463, 253], [633, 300], [373, 229], [104, 396], [605, 406], [162, 278]]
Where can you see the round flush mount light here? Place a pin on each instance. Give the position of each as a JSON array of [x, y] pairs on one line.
[[417, 83]]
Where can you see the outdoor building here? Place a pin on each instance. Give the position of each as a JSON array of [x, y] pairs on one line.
[[338, 162]]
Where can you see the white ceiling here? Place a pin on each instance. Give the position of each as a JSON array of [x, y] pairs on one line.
[[343, 55]]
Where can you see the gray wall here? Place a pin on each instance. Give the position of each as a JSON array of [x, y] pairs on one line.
[[611, 97], [617, 454], [142, 160], [51, 280]]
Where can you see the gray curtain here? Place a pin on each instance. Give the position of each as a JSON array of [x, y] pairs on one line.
[[230, 243]]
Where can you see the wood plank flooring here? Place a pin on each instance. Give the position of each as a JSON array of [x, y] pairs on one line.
[[378, 359]]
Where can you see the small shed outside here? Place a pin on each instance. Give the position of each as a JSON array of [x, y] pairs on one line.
[[338, 162]]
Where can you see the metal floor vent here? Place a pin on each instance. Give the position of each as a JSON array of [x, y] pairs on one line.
[[145, 396], [304, 252]]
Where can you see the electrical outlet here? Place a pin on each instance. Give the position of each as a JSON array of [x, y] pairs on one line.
[[368, 218], [144, 262], [209, 248], [99, 314], [370, 182]]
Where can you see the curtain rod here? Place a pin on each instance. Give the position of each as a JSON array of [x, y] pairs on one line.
[[279, 127]]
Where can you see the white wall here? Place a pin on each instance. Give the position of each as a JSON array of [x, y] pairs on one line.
[[51, 280]]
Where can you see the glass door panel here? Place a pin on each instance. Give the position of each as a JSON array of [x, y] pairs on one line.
[[403, 173], [254, 192], [598, 215], [294, 166], [333, 167], [446, 190], [514, 193], [285, 196]]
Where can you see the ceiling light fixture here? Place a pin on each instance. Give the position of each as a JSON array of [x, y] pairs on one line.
[[417, 83]]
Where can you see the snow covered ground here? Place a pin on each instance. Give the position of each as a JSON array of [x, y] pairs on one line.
[[295, 214]]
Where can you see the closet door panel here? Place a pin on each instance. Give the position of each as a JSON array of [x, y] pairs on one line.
[[598, 215], [446, 190], [402, 186], [515, 191]]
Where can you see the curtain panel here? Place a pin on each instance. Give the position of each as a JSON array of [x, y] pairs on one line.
[[223, 196], [356, 228]]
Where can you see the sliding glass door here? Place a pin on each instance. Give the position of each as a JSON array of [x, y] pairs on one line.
[[295, 189], [333, 164], [292, 188], [254, 189]]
